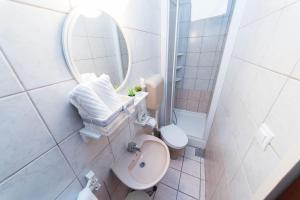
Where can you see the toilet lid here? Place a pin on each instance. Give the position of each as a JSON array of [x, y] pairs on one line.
[[174, 136]]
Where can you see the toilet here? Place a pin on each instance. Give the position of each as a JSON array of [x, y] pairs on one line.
[[175, 138]]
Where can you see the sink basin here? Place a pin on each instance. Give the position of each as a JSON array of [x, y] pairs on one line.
[[143, 169]]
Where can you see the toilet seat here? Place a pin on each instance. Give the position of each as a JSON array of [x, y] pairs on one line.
[[174, 136]]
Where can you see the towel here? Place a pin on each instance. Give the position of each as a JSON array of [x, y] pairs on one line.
[[88, 103], [105, 90]]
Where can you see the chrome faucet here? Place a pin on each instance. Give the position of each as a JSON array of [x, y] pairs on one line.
[[132, 147]]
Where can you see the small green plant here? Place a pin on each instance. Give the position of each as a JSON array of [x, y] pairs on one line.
[[131, 92], [138, 88]]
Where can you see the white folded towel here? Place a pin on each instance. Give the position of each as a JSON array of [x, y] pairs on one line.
[[88, 103], [105, 90]]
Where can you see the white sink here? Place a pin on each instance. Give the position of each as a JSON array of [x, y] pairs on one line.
[[144, 169]]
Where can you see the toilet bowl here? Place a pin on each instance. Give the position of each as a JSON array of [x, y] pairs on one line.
[[175, 138]]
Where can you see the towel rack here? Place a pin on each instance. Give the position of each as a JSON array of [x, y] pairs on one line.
[[94, 128]]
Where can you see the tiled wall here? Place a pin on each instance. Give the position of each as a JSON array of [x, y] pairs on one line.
[[262, 86], [202, 43], [43, 156]]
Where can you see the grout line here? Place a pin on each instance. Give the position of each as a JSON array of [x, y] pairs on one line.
[[144, 31], [41, 7], [51, 84], [37, 88], [75, 178], [270, 13], [267, 69], [39, 114], [23, 167]]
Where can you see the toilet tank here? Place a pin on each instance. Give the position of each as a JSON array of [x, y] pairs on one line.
[[155, 88]]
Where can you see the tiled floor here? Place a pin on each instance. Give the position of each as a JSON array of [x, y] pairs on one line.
[[184, 180]]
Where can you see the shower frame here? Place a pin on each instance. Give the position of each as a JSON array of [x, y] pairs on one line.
[[228, 49]]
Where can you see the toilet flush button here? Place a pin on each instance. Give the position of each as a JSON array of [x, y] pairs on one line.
[[264, 136]]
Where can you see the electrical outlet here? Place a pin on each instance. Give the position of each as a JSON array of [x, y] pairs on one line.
[[264, 136]]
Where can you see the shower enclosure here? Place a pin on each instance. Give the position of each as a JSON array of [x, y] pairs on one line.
[[197, 54]]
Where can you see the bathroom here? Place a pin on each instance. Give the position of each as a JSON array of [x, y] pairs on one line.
[[149, 99]]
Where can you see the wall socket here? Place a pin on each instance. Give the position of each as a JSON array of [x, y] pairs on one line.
[[264, 136]]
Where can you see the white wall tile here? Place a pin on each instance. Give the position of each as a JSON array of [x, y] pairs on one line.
[[210, 43], [197, 28], [204, 73], [192, 59], [24, 136], [87, 66], [80, 48], [42, 179], [101, 166], [257, 9], [9, 82], [189, 83], [201, 84], [64, 119], [283, 51], [120, 141], [252, 40], [97, 47], [79, 153], [213, 26], [239, 187], [34, 50], [207, 59], [194, 44], [283, 118], [263, 92], [71, 192], [258, 164], [59, 5], [190, 72]]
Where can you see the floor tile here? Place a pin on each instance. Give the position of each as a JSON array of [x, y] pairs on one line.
[[165, 193], [176, 164], [182, 196], [190, 153], [171, 178], [189, 185], [191, 167]]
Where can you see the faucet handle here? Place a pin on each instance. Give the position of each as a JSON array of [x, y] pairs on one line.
[[132, 147]]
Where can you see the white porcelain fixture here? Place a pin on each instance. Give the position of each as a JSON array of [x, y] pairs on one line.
[[101, 108], [92, 184], [174, 136], [145, 168]]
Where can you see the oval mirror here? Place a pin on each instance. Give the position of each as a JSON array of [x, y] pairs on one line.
[[94, 44]]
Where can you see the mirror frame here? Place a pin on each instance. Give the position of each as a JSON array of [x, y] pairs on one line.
[[67, 41]]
